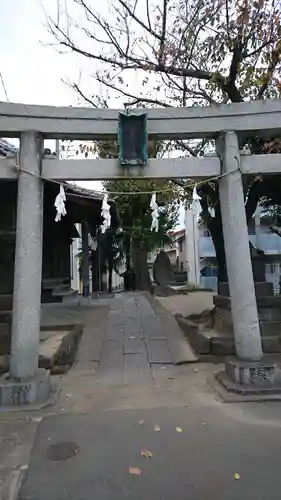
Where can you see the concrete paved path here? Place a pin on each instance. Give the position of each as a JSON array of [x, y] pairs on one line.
[[136, 339]]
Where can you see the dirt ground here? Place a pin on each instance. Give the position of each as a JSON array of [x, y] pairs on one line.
[[193, 303]]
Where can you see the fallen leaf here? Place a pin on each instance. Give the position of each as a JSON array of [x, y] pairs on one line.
[[203, 424], [141, 422], [135, 471], [146, 453], [236, 476], [36, 419], [196, 370], [178, 429], [157, 428]]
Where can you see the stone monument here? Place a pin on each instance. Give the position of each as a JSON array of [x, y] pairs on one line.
[[163, 273]]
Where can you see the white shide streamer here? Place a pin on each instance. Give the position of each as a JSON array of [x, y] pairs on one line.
[[105, 213], [60, 204], [154, 214], [196, 207]]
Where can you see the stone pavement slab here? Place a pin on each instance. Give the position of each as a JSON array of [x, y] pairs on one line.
[[158, 351], [138, 325], [198, 463]]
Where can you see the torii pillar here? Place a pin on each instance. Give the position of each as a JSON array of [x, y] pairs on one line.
[[26, 384], [248, 369]]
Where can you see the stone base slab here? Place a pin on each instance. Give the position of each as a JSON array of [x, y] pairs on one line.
[[253, 373], [228, 396], [250, 377], [31, 391]]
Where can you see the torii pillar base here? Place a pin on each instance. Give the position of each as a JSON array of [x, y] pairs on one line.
[[35, 390], [250, 377]]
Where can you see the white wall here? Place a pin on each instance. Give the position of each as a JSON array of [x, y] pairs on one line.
[[74, 259]]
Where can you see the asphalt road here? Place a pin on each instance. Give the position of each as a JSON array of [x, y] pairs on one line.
[[215, 457]]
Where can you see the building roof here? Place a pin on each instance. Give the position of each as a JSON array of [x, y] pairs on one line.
[[7, 149]]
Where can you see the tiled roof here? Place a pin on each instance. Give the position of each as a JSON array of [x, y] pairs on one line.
[[7, 149]]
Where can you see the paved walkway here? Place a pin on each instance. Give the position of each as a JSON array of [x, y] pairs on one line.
[[137, 341]]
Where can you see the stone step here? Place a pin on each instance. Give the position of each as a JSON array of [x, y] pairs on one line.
[[6, 302], [217, 342], [269, 328]]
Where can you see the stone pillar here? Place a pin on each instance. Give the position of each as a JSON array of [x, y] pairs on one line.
[[85, 261], [28, 262], [239, 268]]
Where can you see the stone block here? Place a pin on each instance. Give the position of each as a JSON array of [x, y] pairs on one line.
[[33, 390], [270, 328], [6, 302], [198, 339], [223, 345], [274, 302], [67, 350], [271, 344], [5, 338], [267, 314], [223, 302], [258, 267], [262, 289], [253, 373]]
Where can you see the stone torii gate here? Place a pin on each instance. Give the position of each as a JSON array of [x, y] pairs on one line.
[[27, 384]]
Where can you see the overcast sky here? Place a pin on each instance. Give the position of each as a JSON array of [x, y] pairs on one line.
[[32, 72]]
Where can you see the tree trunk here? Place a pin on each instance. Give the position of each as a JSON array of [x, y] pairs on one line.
[[215, 227], [218, 241], [142, 276]]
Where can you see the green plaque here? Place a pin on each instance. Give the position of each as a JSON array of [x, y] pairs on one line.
[[132, 139]]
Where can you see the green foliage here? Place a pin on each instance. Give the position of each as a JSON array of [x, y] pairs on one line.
[[111, 249], [134, 209], [135, 212]]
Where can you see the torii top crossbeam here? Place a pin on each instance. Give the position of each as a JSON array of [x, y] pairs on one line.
[[256, 117]]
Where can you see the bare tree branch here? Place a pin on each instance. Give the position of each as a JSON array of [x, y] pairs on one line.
[[76, 87], [276, 230], [163, 31], [139, 21], [131, 96]]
